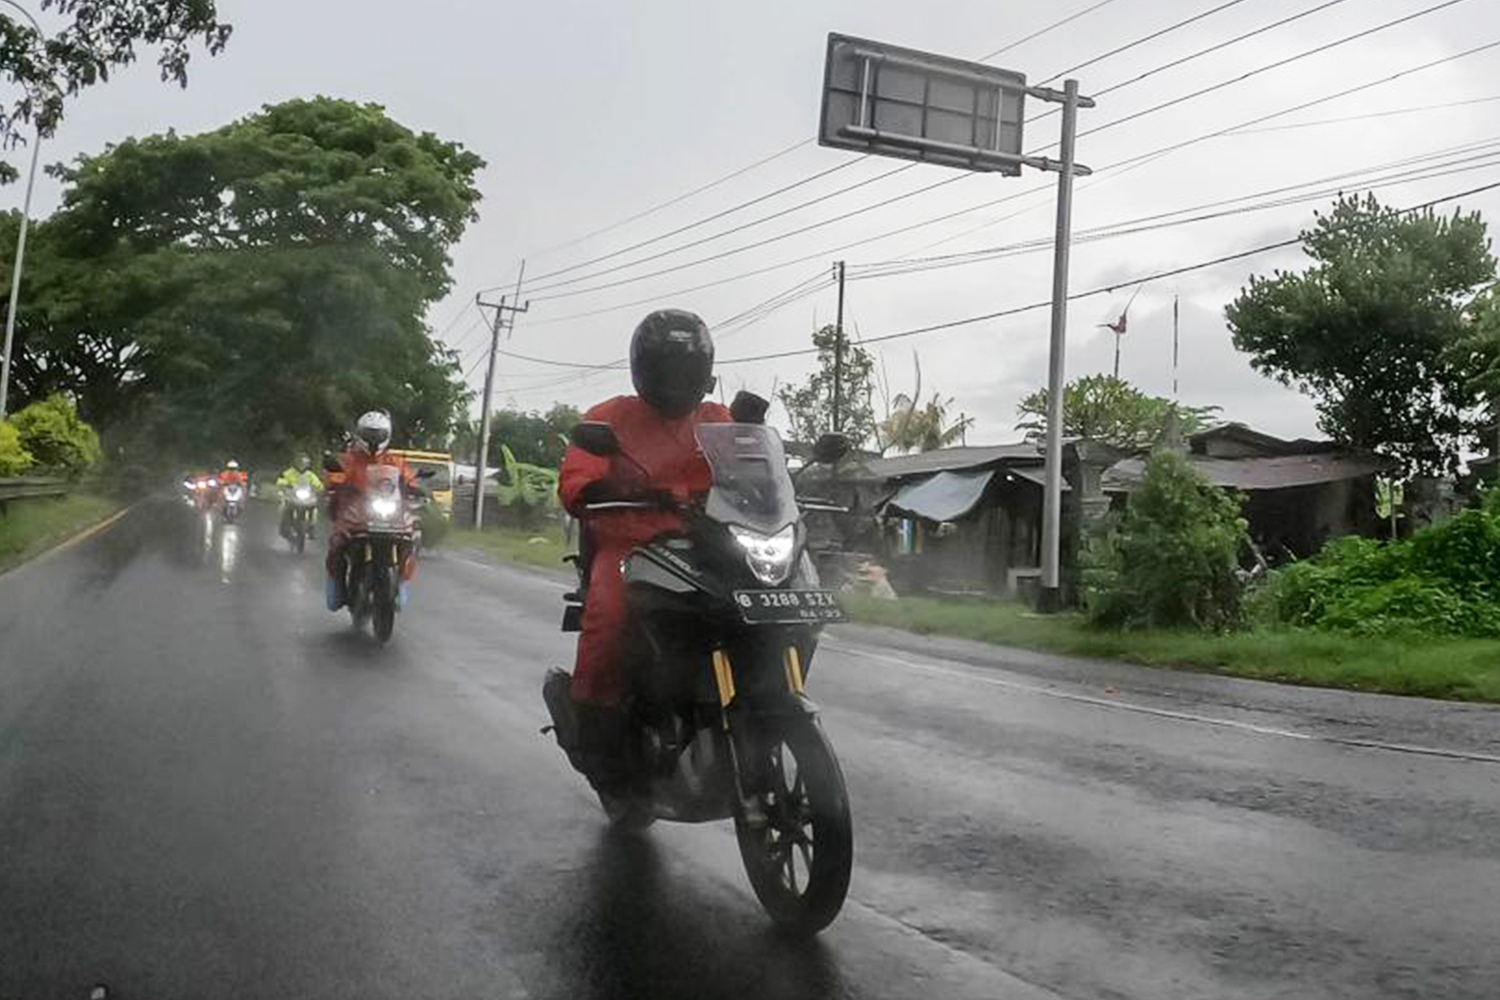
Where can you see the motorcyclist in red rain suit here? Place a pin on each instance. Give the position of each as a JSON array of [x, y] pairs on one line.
[[346, 482], [671, 364]]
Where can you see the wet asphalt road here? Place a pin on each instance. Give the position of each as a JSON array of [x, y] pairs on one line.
[[210, 787]]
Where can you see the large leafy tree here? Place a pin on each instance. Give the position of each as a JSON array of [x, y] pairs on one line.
[[1109, 409], [98, 36], [255, 287], [1371, 328], [533, 438], [810, 405]]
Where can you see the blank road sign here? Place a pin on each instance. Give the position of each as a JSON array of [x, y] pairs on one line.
[[893, 101]]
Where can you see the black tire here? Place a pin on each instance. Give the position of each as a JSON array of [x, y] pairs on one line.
[[799, 861], [383, 599], [359, 597], [299, 539]]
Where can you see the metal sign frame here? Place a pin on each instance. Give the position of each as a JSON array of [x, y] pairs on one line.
[[862, 112], [888, 100]]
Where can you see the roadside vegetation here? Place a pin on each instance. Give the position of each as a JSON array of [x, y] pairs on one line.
[[33, 526], [1461, 669], [543, 548]]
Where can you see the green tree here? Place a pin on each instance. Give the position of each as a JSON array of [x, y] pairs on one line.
[[1109, 409], [255, 287], [534, 438], [44, 72], [1170, 560], [14, 458], [58, 441], [1371, 328], [810, 405], [911, 425]]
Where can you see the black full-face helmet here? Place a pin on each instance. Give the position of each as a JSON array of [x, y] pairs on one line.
[[672, 361]]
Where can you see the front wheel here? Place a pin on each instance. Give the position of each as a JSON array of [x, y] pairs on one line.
[[799, 852]]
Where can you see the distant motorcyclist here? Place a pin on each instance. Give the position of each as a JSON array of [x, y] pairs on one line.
[[671, 365], [232, 473], [347, 482], [298, 474]]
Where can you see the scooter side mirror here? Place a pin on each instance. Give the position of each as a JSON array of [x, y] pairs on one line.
[[829, 448], [595, 437]]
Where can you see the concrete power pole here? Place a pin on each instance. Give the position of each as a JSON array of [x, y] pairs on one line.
[[504, 320]]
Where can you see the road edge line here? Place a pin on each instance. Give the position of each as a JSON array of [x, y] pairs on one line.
[[76, 538]]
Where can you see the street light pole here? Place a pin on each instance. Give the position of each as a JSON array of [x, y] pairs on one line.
[[15, 270]]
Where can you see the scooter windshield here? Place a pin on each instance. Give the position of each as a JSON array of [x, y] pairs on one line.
[[752, 487]]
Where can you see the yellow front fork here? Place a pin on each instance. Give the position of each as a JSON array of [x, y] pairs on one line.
[[791, 661]]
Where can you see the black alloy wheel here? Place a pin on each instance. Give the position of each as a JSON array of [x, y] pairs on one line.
[[800, 855]]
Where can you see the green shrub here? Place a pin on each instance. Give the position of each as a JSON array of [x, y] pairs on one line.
[[1171, 559], [14, 458], [1444, 580], [58, 440]]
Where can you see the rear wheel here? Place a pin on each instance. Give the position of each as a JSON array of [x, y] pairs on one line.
[[799, 854]]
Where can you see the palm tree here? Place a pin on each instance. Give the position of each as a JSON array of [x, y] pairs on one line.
[[912, 426]]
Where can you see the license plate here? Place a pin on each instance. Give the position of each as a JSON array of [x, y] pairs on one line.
[[766, 607]]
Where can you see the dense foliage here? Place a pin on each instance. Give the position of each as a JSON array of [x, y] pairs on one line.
[[1110, 410], [810, 405], [44, 72], [1171, 558], [1444, 580], [50, 431], [1372, 329], [532, 437], [254, 288], [14, 458]]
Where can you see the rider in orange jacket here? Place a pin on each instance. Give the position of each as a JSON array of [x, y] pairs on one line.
[[346, 487], [671, 364]]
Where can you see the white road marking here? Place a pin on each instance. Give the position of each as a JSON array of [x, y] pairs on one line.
[[1165, 713]]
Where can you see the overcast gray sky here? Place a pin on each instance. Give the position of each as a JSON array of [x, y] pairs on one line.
[[590, 111]]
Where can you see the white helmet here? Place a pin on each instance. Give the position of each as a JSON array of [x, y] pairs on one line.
[[373, 431], [231, 464]]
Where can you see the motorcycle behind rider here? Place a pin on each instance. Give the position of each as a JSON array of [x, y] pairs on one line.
[[298, 474], [348, 477], [671, 366]]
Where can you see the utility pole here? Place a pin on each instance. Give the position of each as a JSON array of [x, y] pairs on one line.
[[14, 303], [838, 356], [504, 320], [1174, 347], [1051, 596]]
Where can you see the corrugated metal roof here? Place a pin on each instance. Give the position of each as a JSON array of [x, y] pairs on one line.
[[952, 459], [1270, 473]]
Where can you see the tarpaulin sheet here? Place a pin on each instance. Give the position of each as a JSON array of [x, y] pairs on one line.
[[947, 496]]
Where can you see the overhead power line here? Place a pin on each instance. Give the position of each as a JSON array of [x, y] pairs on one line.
[[743, 248], [1132, 161], [1175, 26], [1391, 113], [799, 144], [1098, 290]]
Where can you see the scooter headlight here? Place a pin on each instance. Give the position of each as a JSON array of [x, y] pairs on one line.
[[384, 508], [303, 494], [769, 557]]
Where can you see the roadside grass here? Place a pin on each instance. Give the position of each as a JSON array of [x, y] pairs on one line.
[[1459, 669], [543, 548], [32, 526]]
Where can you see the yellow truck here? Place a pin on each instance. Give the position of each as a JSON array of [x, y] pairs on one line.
[[440, 486]]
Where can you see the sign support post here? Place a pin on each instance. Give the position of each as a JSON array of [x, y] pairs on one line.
[[1056, 358], [885, 100]]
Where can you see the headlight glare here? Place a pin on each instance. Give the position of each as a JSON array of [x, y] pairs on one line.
[[384, 508], [768, 556]]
